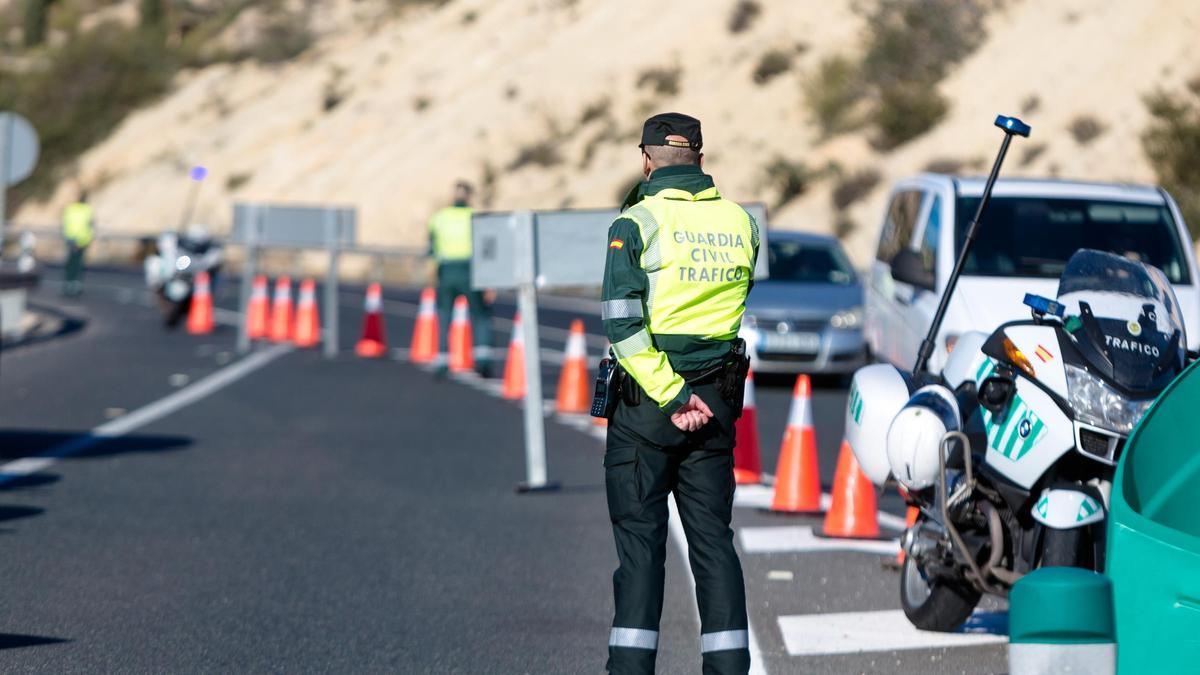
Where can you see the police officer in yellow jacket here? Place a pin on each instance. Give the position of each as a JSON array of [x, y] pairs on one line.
[[680, 264], [78, 221], [450, 246]]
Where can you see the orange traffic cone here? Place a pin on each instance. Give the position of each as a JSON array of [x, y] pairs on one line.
[[200, 314], [514, 367], [574, 390], [797, 479], [281, 311], [853, 514], [307, 332], [462, 356], [373, 344], [747, 465], [424, 346], [258, 310], [910, 519]]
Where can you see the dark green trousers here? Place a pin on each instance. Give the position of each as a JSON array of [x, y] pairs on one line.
[[73, 270], [453, 280], [646, 460]]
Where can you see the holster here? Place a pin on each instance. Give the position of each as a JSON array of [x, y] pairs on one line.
[[733, 376]]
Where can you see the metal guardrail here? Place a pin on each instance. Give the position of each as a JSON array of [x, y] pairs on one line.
[[408, 262]]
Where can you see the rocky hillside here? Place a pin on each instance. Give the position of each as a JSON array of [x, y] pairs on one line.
[[539, 102]]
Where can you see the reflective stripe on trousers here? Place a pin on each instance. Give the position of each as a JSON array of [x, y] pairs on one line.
[[724, 640], [633, 638]]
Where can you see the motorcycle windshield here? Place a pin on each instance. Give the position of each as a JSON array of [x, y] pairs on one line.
[[1124, 318]]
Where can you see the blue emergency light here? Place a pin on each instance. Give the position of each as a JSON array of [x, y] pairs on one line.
[[1012, 125], [1044, 305], [198, 173]]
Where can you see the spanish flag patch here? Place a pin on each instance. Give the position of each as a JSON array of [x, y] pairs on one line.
[[616, 243]]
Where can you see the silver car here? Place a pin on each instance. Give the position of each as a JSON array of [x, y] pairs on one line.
[[807, 317]]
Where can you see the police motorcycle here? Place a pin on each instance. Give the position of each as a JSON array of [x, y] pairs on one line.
[[1009, 452], [171, 269]]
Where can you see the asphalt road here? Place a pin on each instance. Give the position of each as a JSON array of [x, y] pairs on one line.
[[288, 513]]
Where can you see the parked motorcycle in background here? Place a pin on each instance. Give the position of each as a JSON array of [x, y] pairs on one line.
[[172, 268]]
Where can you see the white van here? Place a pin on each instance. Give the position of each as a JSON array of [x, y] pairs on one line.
[[1030, 229]]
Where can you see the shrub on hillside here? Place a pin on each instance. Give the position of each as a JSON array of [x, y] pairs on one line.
[[662, 81], [910, 46], [1031, 153], [773, 62], [918, 40], [744, 13], [832, 93], [854, 187], [35, 22], [905, 111], [789, 179], [283, 39], [542, 153], [1085, 129], [1172, 144], [83, 89]]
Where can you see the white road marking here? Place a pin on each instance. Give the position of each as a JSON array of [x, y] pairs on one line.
[[801, 539], [780, 575], [760, 496], [885, 631], [757, 667], [144, 415]]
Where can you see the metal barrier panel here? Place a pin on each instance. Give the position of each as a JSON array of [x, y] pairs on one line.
[[280, 225], [258, 226], [568, 247]]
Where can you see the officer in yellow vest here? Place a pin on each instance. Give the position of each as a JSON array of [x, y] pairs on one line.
[[450, 246], [679, 267], [78, 221]]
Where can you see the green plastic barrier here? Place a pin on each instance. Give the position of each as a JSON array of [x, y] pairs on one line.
[[1060, 620], [1154, 536]]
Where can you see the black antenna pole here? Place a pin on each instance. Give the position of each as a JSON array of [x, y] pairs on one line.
[[1011, 127]]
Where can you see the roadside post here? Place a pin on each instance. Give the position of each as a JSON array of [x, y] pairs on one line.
[[260, 226], [530, 250]]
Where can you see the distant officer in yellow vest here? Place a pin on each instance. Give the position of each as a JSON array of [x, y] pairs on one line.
[[450, 246], [78, 223], [680, 264]]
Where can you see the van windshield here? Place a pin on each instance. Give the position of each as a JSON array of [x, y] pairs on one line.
[[1035, 236]]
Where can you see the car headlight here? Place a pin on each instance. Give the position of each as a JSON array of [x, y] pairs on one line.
[[183, 262], [1098, 404], [847, 318]]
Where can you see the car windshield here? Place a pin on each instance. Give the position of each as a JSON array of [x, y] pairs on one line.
[[809, 262], [1124, 316], [1035, 236]]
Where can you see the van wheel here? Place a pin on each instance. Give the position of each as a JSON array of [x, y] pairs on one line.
[[933, 603]]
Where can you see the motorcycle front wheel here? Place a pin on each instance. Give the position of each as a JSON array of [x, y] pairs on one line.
[[932, 603]]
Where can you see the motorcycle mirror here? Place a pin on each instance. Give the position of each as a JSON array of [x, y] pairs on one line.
[[995, 393]]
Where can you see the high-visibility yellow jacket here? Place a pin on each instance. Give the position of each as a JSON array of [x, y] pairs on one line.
[[77, 223], [450, 234], [680, 264]]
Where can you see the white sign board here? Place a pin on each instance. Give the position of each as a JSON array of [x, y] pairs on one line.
[[19, 149], [569, 247]]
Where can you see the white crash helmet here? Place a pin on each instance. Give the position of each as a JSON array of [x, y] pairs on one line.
[[915, 436]]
